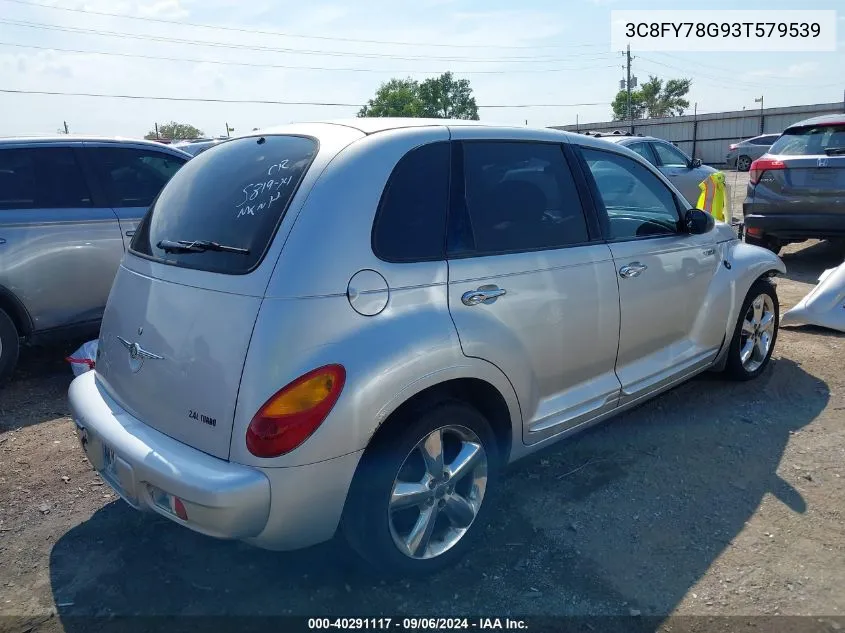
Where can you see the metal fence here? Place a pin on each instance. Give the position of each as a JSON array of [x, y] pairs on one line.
[[707, 136]]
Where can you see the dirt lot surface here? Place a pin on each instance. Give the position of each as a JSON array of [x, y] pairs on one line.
[[715, 499]]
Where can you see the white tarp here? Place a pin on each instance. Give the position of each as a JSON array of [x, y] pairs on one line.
[[824, 305], [83, 359]]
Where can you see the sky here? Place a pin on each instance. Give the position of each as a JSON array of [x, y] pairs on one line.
[[552, 55]]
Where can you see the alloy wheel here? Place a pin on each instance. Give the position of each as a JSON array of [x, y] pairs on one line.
[[758, 326], [438, 492]]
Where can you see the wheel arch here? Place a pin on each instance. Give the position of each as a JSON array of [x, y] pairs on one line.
[[476, 392], [16, 310]]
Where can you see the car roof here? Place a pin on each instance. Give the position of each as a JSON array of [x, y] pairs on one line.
[[622, 138], [826, 119], [374, 125], [76, 139]]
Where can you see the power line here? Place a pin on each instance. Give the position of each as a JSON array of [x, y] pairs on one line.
[[268, 101], [297, 51], [292, 35], [289, 67], [721, 81]]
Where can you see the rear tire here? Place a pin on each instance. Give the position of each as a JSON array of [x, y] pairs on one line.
[[454, 506], [755, 333], [743, 163], [9, 347]]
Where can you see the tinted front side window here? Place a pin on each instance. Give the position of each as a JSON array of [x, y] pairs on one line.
[[234, 196], [41, 178], [520, 196], [411, 221], [638, 204], [808, 141], [132, 177], [669, 156]]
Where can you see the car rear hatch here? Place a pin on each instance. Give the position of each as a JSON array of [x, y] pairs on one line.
[[181, 312], [803, 172]]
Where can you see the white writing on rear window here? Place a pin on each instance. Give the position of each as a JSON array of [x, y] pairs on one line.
[[258, 196]]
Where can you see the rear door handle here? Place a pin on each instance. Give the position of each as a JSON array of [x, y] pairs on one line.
[[130, 233], [632, 270], [2, 241], [485, 294]]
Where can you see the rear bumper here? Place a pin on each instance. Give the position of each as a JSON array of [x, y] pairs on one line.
[[221, 499], [797, 226]]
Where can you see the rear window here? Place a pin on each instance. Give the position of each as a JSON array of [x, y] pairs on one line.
[[807, 141], [234, 195]]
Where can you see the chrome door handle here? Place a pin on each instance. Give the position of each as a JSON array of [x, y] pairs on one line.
[[2, 241], [632, 270], [130, 233], [484, 294]]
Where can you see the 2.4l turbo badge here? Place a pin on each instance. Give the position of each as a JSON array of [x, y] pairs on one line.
[[199, 417]]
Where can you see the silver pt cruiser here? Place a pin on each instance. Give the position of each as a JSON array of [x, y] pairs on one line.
[[354, 325]]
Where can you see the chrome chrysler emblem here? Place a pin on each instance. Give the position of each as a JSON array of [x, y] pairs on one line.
[[137, 354]]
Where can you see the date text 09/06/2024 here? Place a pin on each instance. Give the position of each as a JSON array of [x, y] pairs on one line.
[[417, 624]]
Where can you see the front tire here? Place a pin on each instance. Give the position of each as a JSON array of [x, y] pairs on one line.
[[9, 346], [743, 163], [755, 333], [422, 492]]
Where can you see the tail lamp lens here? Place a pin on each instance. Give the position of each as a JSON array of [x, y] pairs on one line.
[[762, 165], [293, 414]]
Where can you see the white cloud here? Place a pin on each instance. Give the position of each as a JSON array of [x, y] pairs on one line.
[[168, 9], [793, 71]]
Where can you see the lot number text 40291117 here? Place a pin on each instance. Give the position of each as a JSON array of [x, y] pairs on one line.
[[417, 624]]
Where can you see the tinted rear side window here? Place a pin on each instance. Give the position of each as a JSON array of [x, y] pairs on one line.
[[807, 141], [411, 221], [42, 178], [234, 195], [132, 177]]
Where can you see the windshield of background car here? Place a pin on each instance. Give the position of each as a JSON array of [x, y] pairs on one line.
[[808, 141], [234, 194]]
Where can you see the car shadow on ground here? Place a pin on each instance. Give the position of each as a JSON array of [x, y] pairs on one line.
[[37, 390], [622, 519], [805, 265]]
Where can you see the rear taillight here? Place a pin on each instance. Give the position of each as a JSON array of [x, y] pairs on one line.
[[290, 417], [732, 146], [761, 165]]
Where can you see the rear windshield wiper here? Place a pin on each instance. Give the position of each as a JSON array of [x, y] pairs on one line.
[[198, 246], [830, 151]]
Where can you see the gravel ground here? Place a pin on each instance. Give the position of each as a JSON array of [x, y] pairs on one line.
[[714, 499]]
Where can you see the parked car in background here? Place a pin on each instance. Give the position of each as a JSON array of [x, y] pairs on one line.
[[68, 208], [355, 325], [797, 190], [741, 155], [198, 146], [684, 172]]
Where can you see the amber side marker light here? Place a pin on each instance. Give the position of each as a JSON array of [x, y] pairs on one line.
[[294, 412]]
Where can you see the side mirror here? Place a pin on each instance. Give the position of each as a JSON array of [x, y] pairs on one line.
[[696, 162], [698, 222]]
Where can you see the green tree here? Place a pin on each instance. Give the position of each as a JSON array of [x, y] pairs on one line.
[[445, 97], [654, 99], [397, 97], [442, 97], [620, 106], [174, 130]]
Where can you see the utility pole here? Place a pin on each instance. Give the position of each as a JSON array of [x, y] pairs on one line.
[[157, 136], [629, 83], [760, 101], [67, 131]]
